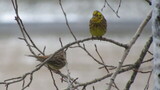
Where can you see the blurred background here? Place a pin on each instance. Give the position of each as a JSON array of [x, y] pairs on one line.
[[45, 22]]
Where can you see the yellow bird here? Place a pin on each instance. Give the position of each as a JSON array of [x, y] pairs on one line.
[[98, 24]]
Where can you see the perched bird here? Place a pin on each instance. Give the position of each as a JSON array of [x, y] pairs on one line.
[[55, 63], [98, 24]]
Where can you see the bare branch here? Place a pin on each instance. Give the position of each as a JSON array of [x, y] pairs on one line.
[[23, 30], [130, 44], [101, 58], [116, 12], [119, 5], [147, 85], [44, 50], [54, 82], [138, 63], [61, 42], [60, 3], [93, 88], [105, 76], [73, 83], [31, 78], [90, 55], [149, 60], [150, 52]]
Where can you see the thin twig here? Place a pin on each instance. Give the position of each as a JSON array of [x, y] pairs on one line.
[[60, 3], [114, 67], [150, 52], [83, 48], [115, 86], [93, 88], [101, 58], [116, 12], [23, 30], [149, 60], [147, 85], [69, 78], [30, 81], [119, 5], [61, 42], [143, 71], [54, 82], [7, 87], [23, 83], [44, 50]]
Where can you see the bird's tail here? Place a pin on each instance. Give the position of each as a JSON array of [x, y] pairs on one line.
[[39, 58]]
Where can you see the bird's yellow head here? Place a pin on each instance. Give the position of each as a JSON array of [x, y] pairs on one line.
[[97, 16]]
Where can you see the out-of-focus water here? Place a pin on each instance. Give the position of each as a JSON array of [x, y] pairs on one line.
[[76, 10], [15, 63], [44, 21]]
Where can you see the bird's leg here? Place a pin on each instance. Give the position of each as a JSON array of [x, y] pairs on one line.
[[100, 38], [92, 37]]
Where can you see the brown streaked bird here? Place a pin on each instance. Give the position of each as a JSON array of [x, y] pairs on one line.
[[55, 63]]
